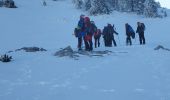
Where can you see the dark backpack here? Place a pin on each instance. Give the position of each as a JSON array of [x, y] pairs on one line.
[[132, 32], [76, 32], [143, 26], [133, 35], [93, 29]]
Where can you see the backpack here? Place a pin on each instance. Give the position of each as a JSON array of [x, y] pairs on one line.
[[76, 32], [93, 29], [97, 34], [143, 26], [133, 35], [132, 32]]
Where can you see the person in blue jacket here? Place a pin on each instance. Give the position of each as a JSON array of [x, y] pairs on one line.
[[80, 31], [129, 33]]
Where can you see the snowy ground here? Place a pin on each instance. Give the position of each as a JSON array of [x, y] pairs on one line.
[[129, 73]]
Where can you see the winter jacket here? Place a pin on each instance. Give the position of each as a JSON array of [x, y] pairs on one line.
[[81, 24], [108, 33], [88, 29], [104, 31], [129, 30], [140, 29], [111, 31]]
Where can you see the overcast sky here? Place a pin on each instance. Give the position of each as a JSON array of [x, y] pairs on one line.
[[164, 3]]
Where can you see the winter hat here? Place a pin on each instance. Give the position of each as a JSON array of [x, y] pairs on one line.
[[82, 16]]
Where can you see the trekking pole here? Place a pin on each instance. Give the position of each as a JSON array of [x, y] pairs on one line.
[[118, 39], [135, 40], [102, 41]]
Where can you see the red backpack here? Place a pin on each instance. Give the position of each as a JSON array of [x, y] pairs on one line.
[[97, 34]]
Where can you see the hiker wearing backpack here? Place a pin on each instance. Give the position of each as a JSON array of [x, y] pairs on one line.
[[109, 36], [97, 36], [81, 25], [79, 31], [88, 34], [140, 30], [129, 33]]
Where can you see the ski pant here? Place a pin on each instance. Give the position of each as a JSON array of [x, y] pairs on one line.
[[97, 42], [79, 43], [128, 40], [141, 38], [108, 42], [88, 45]]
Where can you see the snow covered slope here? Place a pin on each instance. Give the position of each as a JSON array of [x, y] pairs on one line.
[[129, 73]]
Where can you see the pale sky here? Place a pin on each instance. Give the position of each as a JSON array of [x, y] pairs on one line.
[[164, 3]]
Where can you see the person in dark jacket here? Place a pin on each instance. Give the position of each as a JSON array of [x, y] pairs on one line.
[[140, 30], [129, 32], [110, 35]]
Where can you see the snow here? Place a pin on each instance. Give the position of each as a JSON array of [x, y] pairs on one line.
[[130, 73]]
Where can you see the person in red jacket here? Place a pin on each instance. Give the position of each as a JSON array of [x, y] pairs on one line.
[[88, 34]]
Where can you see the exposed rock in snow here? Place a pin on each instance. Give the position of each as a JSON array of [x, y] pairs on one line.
[[31, 49], [5, 58], [68, 51], [161, 47]]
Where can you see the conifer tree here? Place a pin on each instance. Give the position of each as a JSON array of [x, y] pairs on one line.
[[99, 7], [150, 8], [78, 4], [87, 4]]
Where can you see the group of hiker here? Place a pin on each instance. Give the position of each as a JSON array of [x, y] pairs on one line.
[[86, 30]]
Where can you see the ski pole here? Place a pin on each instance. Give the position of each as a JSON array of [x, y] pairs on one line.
[[135, 40], [118, 39]]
